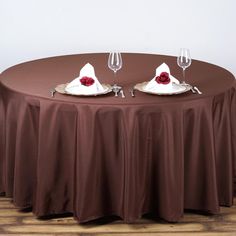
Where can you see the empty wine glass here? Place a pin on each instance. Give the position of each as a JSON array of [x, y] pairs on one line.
[[115, 64], [184, 61]]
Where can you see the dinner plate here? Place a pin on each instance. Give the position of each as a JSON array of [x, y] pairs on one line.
[[61, 89], [176, 89]]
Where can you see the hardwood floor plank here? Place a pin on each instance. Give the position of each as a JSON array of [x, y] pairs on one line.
[[34, 220], [16, 234], [7, 220], [2, 199], [224, 226], [174, 234], [230, 217], [197, 218], [226, 210], [14, 212], [15, 222], [6, 204], [117, 228]]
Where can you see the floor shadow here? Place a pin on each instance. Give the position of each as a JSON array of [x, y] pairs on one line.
[[55, 216], [102, 221]]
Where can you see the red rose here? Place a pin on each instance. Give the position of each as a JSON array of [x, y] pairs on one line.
[[163, 78], [87, 81]]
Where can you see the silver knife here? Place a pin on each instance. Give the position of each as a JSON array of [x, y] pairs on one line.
[[198, 91], [122, 93]]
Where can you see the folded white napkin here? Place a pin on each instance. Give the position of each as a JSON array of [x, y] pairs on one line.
[[153, 86], [76, 86]]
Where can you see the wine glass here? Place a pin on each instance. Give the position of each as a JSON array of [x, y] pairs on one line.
[[184, 61], [115, 64]]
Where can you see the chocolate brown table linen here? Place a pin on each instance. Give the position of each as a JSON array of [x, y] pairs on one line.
[[101, 156]]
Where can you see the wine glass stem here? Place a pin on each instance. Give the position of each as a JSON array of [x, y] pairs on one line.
[[183, 75], [114, 78]]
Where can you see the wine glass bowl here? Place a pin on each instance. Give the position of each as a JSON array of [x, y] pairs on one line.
[[115, 64], [115, 61], [184, 61]]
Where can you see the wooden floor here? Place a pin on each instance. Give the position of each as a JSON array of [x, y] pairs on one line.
[[15, 222]]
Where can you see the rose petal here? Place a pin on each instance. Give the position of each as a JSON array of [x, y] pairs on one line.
[[163, 78], [87, 81]]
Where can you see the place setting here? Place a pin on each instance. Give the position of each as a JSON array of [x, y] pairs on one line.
[[87, 84], [164, 83]]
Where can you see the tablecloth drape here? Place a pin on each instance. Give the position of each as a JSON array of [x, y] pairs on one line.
[[102, 156]]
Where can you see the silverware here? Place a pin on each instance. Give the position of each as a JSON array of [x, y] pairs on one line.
[[122, 93], [132, 92], [192, 89], [196, 89], [52, 92], [116, 89]]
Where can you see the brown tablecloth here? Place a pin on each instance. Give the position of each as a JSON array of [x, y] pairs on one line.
[[100, 156]]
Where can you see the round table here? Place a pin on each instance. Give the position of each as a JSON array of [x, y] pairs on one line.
[[102, 156]]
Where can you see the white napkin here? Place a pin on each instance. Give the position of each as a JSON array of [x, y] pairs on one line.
[[153, 86], [75, 86]]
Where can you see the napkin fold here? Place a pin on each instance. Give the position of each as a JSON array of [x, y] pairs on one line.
[[87, 82], [153, 86]]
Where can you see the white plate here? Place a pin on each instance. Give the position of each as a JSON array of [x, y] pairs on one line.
[[61, 89], [176, 89]]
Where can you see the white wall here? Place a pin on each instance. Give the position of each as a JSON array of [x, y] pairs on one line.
[[31, 29]]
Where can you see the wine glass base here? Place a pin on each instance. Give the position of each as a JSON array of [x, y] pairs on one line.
[[116, 89], [183, 83]]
